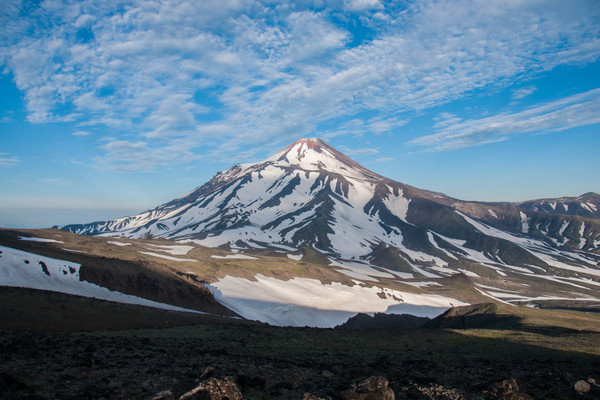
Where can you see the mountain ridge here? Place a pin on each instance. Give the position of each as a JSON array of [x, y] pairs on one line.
[[372, 227]]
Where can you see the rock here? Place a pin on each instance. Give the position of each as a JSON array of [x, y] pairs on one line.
[[309, 396], [582, 387], [214, 389], [594, 387], [508, 390], [328, 374], [505, 387], [164, 395], [373, 388]]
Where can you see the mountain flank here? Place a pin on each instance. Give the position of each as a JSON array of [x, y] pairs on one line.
[[309, 197]]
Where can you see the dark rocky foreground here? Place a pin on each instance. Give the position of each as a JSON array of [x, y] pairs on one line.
[[264, 362], [57, 346]]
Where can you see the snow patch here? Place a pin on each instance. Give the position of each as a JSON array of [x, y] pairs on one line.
[[118, 243], [397, 205], [22, 269], [235, 256], [296, 257], [176, 250], [149, 253], [582, 240], [308, 302], [469, 273], [426, 274], [37, 239], [359, 270], [434, 243], [564, 226], [524, 222], [422, 284]]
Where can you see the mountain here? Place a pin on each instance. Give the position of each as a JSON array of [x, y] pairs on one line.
[[586, 205], [310, 198]]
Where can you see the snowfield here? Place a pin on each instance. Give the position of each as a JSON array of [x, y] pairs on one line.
[[37, 239], [308, 302], [22, 269], [235, 256]]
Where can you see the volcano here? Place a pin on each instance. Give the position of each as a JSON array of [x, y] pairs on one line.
[[309, 197]]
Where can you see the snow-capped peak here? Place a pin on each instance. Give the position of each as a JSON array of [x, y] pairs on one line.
[[313, 154]]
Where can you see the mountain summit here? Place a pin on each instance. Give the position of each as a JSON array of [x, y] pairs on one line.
[[317, 155], [311, 196]]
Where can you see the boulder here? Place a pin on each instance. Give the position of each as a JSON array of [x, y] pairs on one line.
[[582, 387], [508, 390], [373, 388], [214, 389]]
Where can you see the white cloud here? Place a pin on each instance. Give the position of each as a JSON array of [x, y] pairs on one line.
[[84, 20], [81, 133], [446, 119], [312, 36], [240, 73], [570, 112], [126, 156], [362, 5], [521, 93], [6, 160], [175, 115]]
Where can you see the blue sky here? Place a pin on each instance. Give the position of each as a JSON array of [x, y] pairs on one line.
[[109, 108]]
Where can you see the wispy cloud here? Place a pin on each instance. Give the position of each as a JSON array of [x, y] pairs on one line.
[[6, 160], [573, 111], [180, 75], [521, 93], [123, 155], [356, 152]]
